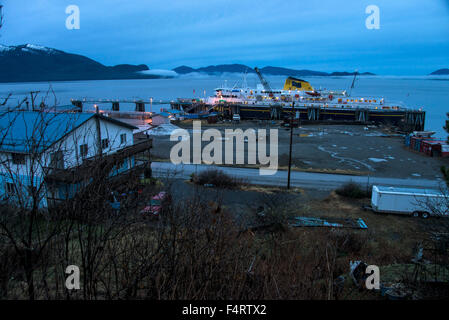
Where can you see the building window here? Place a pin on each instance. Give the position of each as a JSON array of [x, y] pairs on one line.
[[57, 160], [10, 188], [123, 138], [83, 150], [104, 143], [18, 158]]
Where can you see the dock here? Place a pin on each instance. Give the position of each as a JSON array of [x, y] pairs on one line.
[[411, 119], [408, 119]]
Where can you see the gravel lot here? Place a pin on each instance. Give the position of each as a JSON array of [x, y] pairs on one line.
[[349, 149]]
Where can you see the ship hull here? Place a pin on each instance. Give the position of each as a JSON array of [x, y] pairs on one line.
[[323, 114]]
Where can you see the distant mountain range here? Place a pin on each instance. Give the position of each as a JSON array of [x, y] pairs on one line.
[[35, 63], [240, 68], [440, 72], [26, 63]]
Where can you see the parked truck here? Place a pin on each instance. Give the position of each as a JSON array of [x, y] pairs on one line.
[[410, 201]]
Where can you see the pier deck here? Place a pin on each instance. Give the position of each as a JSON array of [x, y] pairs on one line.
[[409, 119]]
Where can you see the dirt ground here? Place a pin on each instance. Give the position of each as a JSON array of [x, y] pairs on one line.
[[352, 149]]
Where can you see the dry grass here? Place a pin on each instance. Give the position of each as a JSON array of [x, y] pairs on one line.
[[391, 237], [202, 253], [263, 189], [270, 190], [314, 170]]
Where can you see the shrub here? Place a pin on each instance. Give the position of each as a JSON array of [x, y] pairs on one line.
[[217, 178], [353, 190]]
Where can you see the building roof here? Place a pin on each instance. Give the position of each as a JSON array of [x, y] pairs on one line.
[[161, 114], [22, 130]]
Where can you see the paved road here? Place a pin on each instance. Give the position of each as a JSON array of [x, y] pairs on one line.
[[305, 180]]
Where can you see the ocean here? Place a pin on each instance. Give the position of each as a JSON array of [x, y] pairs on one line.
[[428, 92]]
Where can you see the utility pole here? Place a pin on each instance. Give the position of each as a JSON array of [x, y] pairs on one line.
[[97, 125], [291, 142]]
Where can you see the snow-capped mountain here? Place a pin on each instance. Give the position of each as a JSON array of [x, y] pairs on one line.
[[31, 48], [30, 62]]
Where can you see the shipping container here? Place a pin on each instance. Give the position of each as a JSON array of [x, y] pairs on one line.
[[445, 150], [417, 144], [412, 142], [426, 147], [407, 140], [422, 145], [415, 140], [423, 134], [432, 147]]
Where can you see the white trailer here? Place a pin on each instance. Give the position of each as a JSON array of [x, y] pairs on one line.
[[411, 201]]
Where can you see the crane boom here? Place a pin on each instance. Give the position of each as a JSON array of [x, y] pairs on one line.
[[264, 82], [353, 82]]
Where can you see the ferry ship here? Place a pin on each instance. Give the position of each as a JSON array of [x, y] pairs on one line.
[[298, 96], [294, 89], [299, 99]]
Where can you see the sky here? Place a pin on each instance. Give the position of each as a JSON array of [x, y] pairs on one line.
[[327, 35]]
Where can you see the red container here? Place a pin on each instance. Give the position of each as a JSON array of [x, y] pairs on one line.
[[445, 150], [428, 145], [412, 142], [425, 144]]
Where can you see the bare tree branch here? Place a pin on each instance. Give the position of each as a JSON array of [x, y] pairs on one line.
[[6, 99], [1, 16]]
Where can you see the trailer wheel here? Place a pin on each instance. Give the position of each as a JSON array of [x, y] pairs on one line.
[[415, 214], [424, 215]]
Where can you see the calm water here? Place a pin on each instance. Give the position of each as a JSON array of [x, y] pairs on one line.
[[431, 93]]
